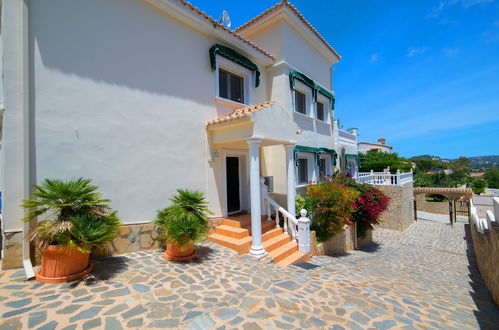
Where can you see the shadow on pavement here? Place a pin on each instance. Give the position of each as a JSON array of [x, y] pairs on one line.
[[487, 314]]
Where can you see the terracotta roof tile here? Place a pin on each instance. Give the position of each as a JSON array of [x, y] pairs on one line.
[[297, 13], [221, 26], [240, 113]]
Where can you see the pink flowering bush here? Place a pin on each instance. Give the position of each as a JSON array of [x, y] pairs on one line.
[[369, 205], [331, 204]]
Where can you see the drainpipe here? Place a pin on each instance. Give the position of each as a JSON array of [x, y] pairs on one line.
[[26, 181]]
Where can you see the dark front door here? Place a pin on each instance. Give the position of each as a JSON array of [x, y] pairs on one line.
[[233, 200]]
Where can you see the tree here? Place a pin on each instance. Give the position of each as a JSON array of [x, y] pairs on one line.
[[479, 186], [378, 161], [462, 164], [492, 178]]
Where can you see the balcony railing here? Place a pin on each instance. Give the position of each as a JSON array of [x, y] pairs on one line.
[[385, 178]]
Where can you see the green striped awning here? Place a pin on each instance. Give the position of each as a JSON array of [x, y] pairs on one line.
[[316, 88], [234, 56]]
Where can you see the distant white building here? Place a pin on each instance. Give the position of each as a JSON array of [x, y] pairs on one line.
[[381, 146]]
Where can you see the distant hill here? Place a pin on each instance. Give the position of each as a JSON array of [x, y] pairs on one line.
[[478, 163], [483, 163]]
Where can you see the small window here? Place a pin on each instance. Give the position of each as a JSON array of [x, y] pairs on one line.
[[230, 86], [320, 111], [322, 167], [302, 171], [300, 102]]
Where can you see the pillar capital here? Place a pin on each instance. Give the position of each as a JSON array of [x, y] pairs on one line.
[[289, 146], [254, 141]]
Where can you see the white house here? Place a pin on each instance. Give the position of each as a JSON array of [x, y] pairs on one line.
[[345, 144], [381, 146], [145, 97]]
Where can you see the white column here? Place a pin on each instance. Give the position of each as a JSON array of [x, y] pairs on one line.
[[304, 232], [256, 211], [290, 165]]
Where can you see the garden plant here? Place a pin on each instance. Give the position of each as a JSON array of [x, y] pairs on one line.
[[73, 220], [183, 224]]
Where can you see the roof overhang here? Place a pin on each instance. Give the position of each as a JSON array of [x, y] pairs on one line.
[[269, 123], [198, 20], [288, 13]]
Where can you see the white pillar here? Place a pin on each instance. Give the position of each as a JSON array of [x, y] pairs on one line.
[[304, 232], [290, 166], [256, 211]]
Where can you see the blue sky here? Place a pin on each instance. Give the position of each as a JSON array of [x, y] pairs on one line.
[[422, 74]]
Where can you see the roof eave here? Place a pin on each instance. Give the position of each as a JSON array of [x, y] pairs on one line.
[[274, 13], [201, 22]]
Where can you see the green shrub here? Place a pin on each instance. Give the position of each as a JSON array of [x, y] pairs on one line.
[[186, 220], [331, 206], [369, 205], [75, 215]]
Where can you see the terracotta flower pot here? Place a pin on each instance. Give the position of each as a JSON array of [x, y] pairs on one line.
[[60, 264], [175, 253]]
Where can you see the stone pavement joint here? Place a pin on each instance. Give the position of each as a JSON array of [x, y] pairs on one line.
[[425, 277]]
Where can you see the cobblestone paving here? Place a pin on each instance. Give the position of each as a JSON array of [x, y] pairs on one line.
[[422, 278]]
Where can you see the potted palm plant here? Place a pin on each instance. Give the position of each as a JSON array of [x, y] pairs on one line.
[[183, 224], [73, 220]]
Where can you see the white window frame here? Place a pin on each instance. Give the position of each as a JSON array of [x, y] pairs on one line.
[[311, 168], [238, 70], [329, 166], [309, 104], [327, 105]]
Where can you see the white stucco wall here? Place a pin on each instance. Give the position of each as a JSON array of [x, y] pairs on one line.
[[121, 95]]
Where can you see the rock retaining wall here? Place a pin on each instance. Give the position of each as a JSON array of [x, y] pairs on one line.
[[431, 207], [486, 247], [400, 213], [339, 243]]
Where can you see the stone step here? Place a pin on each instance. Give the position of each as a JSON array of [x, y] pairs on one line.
[[276, 242], [283, 251], [294, 258], [230, 231], [266, 226], [241, 246], [272, 233]]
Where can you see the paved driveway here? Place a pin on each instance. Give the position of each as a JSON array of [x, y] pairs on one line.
[[422, 278]]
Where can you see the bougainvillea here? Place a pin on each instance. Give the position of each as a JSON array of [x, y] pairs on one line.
[[331, 204], [369, 205]]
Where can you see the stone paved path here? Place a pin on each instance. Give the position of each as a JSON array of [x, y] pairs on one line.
[[422, 278]]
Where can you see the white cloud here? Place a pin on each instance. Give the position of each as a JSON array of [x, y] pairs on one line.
[[471, 3], [417, 51], [374, 58], [451, 51], [442, 5]]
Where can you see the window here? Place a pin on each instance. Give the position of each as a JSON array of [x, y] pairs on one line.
[[300, 103], [322, 167], [230, 86], [302, 171], [320, 111]]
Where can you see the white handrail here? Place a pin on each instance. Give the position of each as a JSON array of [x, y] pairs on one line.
[[385, 178], [298, 229]]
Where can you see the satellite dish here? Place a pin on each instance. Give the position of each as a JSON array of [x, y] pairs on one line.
[[225, 19]]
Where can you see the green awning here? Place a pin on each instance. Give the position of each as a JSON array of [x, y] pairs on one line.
[[304, 79], [328, 151], [234, 56], [316, 88], [351, 156], [316, 151]]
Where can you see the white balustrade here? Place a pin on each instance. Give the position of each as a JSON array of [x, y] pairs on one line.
[[298, 229], [385, 178]]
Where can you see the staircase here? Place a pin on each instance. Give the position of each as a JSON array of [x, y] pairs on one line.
[[235, 233]]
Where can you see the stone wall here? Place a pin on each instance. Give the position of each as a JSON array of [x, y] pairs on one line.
[[486, 247], [400, 213], [12, 250], [431, 207], [131, 238]]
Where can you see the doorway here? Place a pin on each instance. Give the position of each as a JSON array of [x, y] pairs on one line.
[[232, 166]]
